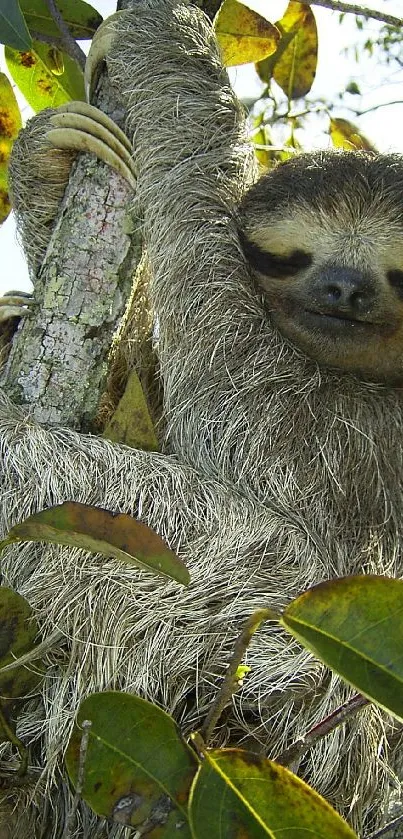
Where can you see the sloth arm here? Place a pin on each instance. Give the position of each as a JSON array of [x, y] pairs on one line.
[[188, 165]]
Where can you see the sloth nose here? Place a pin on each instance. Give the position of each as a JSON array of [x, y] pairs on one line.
[[343, 290]]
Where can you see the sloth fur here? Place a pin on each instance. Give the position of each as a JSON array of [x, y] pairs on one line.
[[276, 473]]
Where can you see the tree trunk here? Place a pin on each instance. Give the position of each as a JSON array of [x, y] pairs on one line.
[[58, 361]]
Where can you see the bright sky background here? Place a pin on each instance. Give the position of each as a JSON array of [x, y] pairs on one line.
[[384, 127]]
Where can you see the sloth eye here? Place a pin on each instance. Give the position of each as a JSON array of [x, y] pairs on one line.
[[271, 264], [396, 280]]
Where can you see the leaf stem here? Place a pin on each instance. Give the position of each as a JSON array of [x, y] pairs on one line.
[[86, 725], [22, 750], [298, 749], [230, 682], [68, 43]]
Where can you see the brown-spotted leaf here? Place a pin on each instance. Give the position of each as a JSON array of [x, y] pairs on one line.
[[238, 794], [10, 124], [346, 135], [131, 423], [138, 769], [355, 626], [41, 87], [81, 18], [243, 35], [293, 65], [101, 531]]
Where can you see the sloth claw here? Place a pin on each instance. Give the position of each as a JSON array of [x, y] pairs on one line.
[[14, 304], [82, 127], [100, 46]]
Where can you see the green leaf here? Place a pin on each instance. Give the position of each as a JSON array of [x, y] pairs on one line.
[[293, 65], [18, 633], [101, 531], [13, 29], [38, 83], [10, 124], [238, 794], [243, 35], [138, 769], [355, 626], [81, 18]]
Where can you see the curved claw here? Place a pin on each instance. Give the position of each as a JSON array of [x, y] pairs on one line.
[[84, 128], [86, 110], [100, 46], [14, 304]]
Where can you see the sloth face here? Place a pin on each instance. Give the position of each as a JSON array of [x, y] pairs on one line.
[[323, 234]]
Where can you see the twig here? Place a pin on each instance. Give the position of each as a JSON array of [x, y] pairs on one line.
[[380, 105], [230, 682], [385, 829], [356, 9], [12, 737], [53, 40], [69, 43], [85, 725], [298, 749]]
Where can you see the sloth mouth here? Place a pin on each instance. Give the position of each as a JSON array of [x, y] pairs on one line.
[[339, 320]]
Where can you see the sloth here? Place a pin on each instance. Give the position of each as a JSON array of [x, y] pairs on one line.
[[279, 311]]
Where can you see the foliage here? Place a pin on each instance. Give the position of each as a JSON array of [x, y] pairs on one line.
[[128, 760]]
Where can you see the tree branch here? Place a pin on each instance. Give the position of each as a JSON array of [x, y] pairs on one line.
[[380, 105], [298, 749], [68, 43], [230, 682], [53, 40], [386, 829], [356, 9]]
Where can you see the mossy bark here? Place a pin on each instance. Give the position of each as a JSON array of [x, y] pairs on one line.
[[57, 365]]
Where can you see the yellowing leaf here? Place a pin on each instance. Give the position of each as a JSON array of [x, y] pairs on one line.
[[39, 84], [355, 626], [243, 35], [346, 135], [137, 767], [10, 124], [293, 65], [238, 794], [131, 423], [101, 531]]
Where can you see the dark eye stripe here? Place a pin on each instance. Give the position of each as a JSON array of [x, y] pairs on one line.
[[396, 280], [271, 265]]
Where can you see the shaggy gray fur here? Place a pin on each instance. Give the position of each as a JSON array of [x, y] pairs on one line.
[[276, 475]]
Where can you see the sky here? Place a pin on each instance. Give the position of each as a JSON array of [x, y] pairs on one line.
[[384, 126]]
